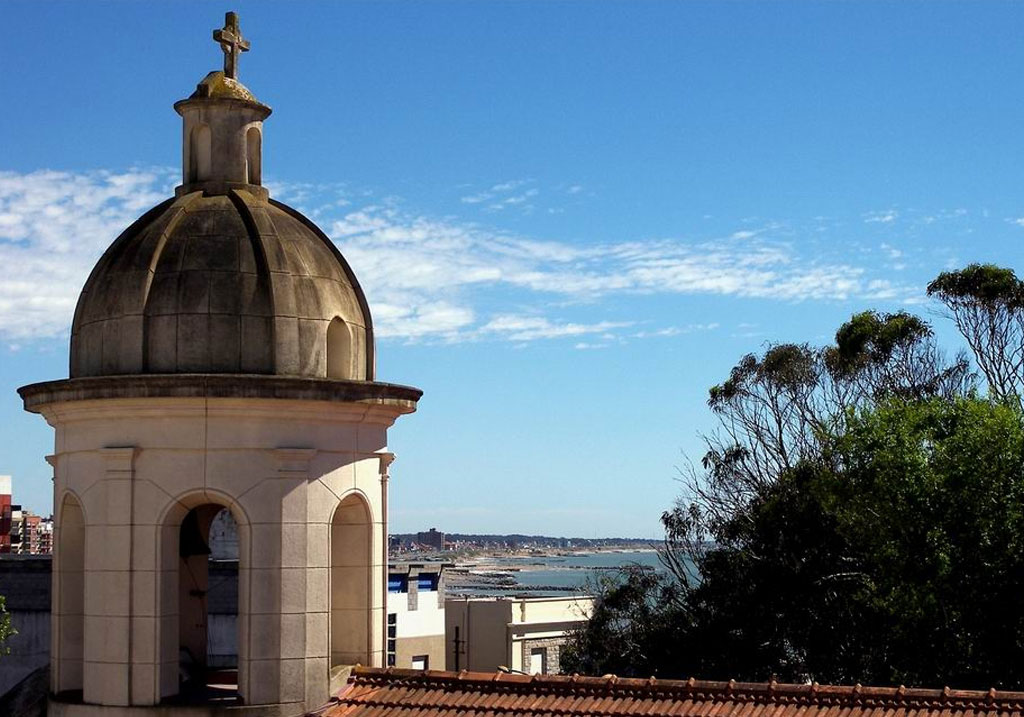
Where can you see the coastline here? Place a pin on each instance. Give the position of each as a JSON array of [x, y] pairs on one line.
[[533, 572]]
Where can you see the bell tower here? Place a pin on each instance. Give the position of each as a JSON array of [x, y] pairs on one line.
[[223, 125], [222, 374]]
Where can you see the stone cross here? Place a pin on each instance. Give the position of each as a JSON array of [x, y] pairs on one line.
[[232, 43]]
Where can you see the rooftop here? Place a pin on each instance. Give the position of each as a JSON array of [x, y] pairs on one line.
[[375, 692]]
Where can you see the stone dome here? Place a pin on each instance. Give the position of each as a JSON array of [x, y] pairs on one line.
[[225, 282]]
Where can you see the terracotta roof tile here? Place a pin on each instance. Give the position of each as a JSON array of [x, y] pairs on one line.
[[391, 692]]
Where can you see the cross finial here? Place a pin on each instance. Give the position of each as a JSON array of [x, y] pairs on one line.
[[232, 43]]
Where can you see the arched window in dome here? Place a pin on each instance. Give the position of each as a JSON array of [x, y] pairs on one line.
[[339, 350], [253, 155], [200, 150]]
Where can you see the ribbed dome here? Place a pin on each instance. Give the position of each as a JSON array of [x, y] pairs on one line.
[[233, 283]]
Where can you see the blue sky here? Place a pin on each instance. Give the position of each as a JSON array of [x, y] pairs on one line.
[[570, 218]]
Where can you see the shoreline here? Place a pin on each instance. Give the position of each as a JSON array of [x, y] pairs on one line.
[[535, 573]]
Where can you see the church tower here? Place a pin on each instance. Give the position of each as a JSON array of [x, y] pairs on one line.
[[222, 370]]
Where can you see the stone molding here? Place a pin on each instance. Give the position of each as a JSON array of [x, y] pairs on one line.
[[118, 460], [293, 462], [400, 399], [386, 459]]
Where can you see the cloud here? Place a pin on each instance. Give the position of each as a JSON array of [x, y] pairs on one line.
[[427, 278], [53, 228], [891, 251], [494, 191], [506, 195], [530, 328], [886, 217], [675, 330]]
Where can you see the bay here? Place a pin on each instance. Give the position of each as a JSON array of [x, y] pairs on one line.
[[542, 575]]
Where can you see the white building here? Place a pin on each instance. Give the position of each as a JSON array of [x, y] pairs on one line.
[[524, 635], [415, 607]]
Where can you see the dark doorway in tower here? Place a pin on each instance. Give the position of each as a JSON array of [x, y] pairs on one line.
[[208, 606]]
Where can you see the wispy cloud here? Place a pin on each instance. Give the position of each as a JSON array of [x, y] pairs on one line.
[[675, 330], [885, 217], [494, 191], [515, 194], [53, 227], [427, 278], [529, 328]]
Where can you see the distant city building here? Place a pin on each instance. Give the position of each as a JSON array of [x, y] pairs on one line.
[[22, 532], [524, 635], [30, 533], [5, 514], [431, 539], [45, 537], [17, 528], [415, 622]]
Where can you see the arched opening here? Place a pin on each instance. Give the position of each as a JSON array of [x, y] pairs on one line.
[[339, 350], [199, 154], [253, 154], [70, 602], [208, 606], [351, 581]]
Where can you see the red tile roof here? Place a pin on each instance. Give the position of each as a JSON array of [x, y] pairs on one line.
[[375, 692]]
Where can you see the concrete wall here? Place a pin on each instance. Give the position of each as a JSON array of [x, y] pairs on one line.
[[504, 632], [25, 584], [429, 646], [30, 648], [483, 638]]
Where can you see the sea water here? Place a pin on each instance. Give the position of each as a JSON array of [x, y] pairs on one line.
[[564, 574]]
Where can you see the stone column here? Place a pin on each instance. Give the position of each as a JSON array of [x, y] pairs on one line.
[[108, 561]]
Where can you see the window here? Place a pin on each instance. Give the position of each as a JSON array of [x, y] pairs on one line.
[[538, 660], [420, 662], [339, 350], [199, 153], [253, 157], [398, 584], [392, 634], [426, 581]]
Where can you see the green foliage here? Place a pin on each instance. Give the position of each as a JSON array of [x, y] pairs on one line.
[[986, 302], [985, 284], [896, 557], [872, 338], [631, 631], [931, 499], [6, 629], [858, 515]]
